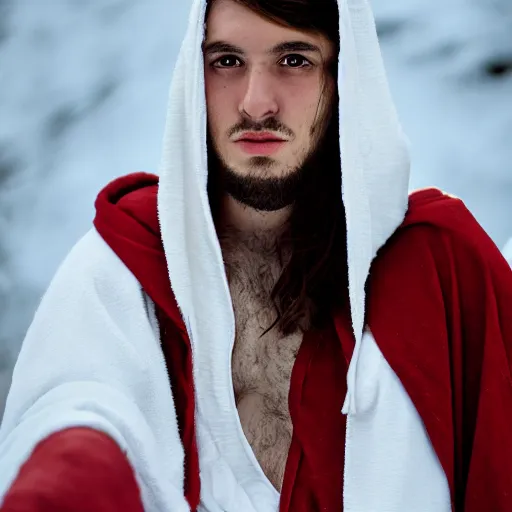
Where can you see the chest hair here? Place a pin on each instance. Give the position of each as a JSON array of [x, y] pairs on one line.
[[262, 362]]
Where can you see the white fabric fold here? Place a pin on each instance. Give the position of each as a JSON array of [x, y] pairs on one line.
[[390, 464], [375, 160], [92, 358]]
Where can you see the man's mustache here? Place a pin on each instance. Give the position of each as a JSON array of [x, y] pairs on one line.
[[270, 124]]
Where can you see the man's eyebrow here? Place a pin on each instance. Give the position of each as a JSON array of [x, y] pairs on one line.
[[221, 47], [294, 46], [287, 46]]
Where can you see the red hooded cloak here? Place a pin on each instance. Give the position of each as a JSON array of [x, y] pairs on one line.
[[439, 304]]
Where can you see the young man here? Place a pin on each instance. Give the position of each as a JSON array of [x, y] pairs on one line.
[[195, 350]]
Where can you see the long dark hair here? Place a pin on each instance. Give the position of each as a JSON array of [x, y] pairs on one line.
[[314, 281]]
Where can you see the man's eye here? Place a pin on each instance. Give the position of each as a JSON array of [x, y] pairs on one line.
[[228, 61], [295, 61]]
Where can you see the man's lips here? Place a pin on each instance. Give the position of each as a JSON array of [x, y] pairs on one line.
[[260, 137], [260, 143]]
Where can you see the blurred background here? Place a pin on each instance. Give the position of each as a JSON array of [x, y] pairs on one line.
[[83, 91]]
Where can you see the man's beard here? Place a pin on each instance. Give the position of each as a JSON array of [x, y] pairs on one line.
[[259, 189]]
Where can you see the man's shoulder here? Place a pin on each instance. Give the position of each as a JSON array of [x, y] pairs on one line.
[[437, 223], [439, 246], [435, 208], [128, 199], [127, 220], [445, 216]]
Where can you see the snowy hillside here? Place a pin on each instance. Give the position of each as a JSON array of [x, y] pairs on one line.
[[83, 90], [450, 68]]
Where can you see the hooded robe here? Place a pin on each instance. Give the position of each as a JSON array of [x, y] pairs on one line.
[[123, 383]]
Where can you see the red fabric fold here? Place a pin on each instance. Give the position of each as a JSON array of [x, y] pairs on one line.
[[440, 308], [75, 470]]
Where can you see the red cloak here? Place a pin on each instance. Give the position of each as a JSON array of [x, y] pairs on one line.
[[439, 304]]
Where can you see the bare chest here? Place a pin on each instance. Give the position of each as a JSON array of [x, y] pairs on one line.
[[261, 371]]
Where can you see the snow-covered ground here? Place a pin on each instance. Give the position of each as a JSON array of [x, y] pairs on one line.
[[83, 90]]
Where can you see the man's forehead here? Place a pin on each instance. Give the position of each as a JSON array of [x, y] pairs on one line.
[[232, 27]]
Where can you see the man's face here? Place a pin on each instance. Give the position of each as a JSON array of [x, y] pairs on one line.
[[269, 96]]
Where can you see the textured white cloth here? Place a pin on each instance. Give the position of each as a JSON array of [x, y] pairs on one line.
[[92, 355], [390, 464]]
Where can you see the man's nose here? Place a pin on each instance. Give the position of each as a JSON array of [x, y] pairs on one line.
[[259, 101]]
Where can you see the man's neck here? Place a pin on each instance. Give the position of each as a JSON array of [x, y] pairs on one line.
[[246, 220], [240, 225], [251, 245]]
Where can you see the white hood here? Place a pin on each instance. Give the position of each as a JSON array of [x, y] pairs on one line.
[[92, 356], [375, 182]]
